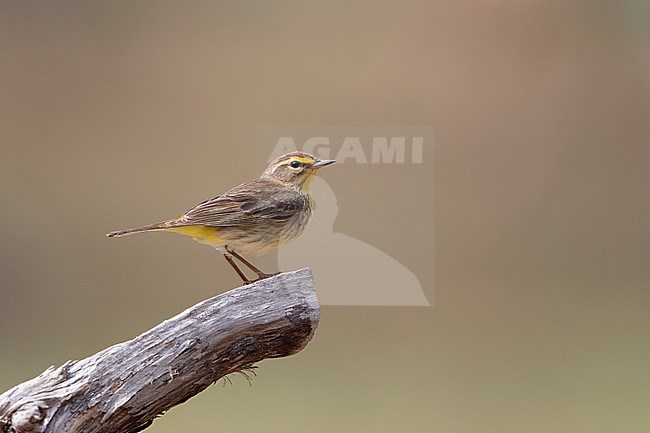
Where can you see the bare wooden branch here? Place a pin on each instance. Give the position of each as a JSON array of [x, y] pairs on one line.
[[123, 388]]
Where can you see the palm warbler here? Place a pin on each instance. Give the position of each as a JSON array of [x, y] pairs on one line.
[[254, 218]]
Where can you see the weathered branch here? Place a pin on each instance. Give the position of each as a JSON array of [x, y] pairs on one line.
[[123, 388]]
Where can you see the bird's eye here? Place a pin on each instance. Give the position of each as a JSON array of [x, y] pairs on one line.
[[295, 164]]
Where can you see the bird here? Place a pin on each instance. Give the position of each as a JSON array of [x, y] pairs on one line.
[[254, 218]]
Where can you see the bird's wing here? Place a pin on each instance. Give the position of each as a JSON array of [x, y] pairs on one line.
[[244, 205]]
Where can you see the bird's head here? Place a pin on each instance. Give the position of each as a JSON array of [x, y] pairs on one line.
[[295, 169]]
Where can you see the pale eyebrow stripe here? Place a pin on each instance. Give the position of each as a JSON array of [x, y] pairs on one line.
[[296, 158]]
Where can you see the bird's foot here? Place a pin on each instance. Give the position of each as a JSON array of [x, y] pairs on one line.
[[261, 276]]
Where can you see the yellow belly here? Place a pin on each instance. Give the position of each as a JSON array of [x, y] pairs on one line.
[[241, 242], [203, 234], [252, 242]]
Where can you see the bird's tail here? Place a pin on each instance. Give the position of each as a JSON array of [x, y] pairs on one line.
[[150, 227]]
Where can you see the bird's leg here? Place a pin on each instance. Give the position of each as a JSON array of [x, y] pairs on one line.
[[236, 268], [252, 267]]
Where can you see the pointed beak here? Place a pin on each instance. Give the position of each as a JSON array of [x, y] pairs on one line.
[[322, 163]]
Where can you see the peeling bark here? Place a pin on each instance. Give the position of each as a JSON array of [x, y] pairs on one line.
[[124, 387]]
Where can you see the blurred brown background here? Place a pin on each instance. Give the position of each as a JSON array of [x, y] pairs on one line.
[[114, 114]]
